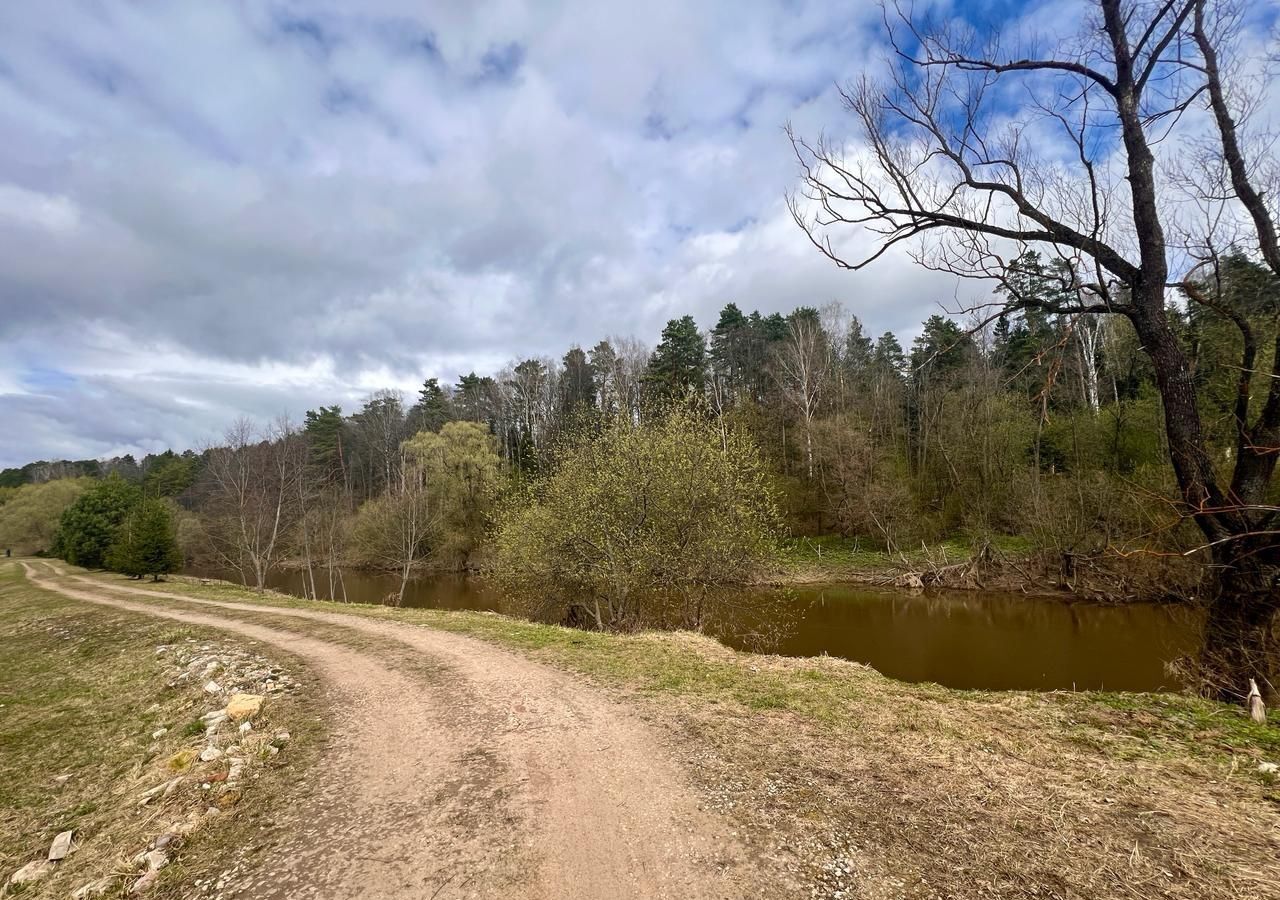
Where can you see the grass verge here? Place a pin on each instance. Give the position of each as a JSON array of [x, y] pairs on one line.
[[82, 694]]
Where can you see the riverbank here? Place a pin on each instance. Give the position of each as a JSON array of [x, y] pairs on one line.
[[1004, 563], [841, 780]]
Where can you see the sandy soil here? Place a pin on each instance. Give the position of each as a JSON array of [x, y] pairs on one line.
[[478, 774]]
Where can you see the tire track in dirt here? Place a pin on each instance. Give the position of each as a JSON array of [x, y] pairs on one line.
[[506, 778]]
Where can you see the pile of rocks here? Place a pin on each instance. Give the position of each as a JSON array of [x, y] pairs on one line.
[[230, 748], [34, 871], [212, 770], [224, 670]]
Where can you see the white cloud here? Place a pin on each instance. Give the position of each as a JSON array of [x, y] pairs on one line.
[[210, 209]]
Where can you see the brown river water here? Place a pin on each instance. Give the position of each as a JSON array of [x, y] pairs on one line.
[[961, 639]]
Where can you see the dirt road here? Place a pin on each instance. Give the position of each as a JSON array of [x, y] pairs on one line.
[[474, 773]]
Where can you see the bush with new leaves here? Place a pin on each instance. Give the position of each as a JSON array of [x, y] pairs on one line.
[[635, 513]]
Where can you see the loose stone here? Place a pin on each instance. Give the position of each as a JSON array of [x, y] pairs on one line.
[[32, 871], [61, 846], [96, 888]]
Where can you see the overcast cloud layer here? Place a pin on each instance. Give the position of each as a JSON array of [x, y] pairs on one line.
[[216, 209]]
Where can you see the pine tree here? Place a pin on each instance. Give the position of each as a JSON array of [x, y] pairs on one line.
[[604, 371], [474, 398], [731, 350], [432, 409], [325, 431], [941, 348], [146, 542], [577, 384], [88, 525], [888, 356], [858, 350], [678, 366]]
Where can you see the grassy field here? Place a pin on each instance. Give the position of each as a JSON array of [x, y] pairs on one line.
[[82, 692], [855, 783]]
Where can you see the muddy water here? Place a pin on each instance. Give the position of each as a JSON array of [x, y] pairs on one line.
[[961, 639]]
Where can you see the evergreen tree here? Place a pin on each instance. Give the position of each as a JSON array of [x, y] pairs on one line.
[[942, 348], [125, 466], [577, 383], [88, 526], [146, 542], [168, 474], [474, 398], [858, 349], [325, 431], [731, 351], [604, 372], [678, 366], [888, 356], [432, 409]]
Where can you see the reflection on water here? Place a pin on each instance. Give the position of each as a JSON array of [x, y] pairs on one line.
[[962, 639]]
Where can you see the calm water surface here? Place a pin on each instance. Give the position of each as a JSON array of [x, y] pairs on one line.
[[962, 639]]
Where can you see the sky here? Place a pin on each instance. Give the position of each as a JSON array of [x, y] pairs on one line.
[[210, 210]]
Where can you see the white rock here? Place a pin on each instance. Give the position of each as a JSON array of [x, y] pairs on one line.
[[156, 859], [246, 727], [1268, 768], [212, 687], [32, 871], [61, 846], [92, 889], [210, 753], [144, 883], [159, 733]]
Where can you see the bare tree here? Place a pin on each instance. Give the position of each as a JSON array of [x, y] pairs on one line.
[[393, 530], [1087, 333], [801, 365], [379, 427], [252, 494], [633, 362], [968, 183]]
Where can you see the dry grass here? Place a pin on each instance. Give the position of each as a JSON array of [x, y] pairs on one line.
[[861, 786], [83, 689]]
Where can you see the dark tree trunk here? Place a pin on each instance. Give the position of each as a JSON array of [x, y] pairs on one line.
[[1240, 640]]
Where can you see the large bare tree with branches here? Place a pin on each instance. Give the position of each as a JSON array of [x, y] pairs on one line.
[[1126, 149]]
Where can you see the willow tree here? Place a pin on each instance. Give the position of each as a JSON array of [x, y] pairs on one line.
[[635, 514], [1124, 148]]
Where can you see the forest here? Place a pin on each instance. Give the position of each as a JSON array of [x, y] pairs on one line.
[[1034, 438]]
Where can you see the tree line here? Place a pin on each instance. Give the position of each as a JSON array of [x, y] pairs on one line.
[[1037, 425]]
